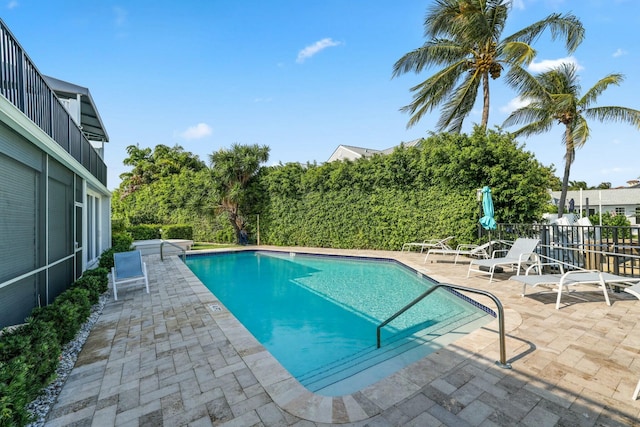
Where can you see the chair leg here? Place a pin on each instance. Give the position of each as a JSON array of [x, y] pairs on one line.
[[560, 286], [636, 392], [115, 289], [604, 291]]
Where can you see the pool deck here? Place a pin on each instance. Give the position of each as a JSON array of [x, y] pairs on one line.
[[176, 357]]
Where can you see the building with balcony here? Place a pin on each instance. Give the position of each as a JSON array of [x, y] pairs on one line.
[[54, 202]]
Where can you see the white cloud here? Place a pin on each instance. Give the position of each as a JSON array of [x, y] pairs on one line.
[[259, 100], [547, 64], [196, 132], [514, 104], [120, 16], [12, 4], [318, 46], [619, 52], [518, 4]]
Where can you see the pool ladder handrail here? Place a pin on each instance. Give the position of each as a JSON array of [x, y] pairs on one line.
[[503, 353], [184, 252]]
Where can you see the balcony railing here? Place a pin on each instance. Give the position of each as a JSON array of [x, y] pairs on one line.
[[23, 85]]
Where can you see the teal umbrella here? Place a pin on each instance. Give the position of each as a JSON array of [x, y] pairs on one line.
[[487, 221]]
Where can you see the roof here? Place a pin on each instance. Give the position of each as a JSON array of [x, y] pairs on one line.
[[90, 120], [351, 152], [608, 197]]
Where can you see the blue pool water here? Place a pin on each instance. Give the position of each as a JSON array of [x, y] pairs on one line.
[[318, 315]]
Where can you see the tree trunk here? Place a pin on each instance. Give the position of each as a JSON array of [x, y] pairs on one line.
[[485, 100], [568, 159]]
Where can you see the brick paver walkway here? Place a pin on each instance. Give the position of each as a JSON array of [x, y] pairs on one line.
[[171, 358]]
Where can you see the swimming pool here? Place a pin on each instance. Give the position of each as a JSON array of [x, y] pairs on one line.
[[318, 314]]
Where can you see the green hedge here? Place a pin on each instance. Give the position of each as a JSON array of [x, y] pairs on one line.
[[30, 353], [177, 232], [120, 242], [144, 231]]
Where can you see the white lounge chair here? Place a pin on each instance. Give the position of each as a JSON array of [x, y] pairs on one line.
[[562, 281], [470, 250], [430, 243], [128, 268], [519, 255]]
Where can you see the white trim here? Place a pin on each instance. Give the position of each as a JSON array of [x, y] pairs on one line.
[[19, 122]]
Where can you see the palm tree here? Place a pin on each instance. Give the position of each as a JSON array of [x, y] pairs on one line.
[[465, 39], [554, 97], [232, 171]]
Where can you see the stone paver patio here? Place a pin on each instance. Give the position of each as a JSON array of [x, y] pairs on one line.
[[173, 358]]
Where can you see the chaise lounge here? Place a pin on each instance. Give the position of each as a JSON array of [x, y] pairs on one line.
[[430, 243], [466, 249], [518, 256]]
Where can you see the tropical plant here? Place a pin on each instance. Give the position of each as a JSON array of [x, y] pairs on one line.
[[150, 165], [232, 171], [554, 97], [465, 40]]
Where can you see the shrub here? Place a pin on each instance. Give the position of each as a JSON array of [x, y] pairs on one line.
[[118, 226], [29, 356], [68, 312], [14, 376], [177, 232], [106, 259], [92, 285], [144, 232], [30, 353], [121, 242], [103, 277]]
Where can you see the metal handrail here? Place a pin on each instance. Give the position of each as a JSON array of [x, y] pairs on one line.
[[184, 252], [503, 353]]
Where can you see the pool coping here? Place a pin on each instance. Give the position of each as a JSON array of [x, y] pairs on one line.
[[292, 396]]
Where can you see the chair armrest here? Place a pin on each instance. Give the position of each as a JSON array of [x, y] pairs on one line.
[[541, 264], [466, 246], [499, 251]]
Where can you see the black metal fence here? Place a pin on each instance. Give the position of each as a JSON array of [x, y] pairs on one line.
[[613, 249], [23, 85]]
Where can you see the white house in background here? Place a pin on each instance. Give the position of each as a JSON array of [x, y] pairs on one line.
[[349, 152], [54, 202], [621, 201]]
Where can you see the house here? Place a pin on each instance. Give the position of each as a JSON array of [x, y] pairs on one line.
[[54, 202], [620, 201], [349, 152]]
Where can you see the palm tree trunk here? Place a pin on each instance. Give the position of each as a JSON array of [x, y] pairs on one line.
[[568, 159], [485, 100]]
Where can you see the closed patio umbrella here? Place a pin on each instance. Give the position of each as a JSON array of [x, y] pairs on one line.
[[487, 221]]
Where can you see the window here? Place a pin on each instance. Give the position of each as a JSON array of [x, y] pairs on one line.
[[637, 215], [620, 211]]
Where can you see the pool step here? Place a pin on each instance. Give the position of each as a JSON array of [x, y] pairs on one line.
[[394, 353]]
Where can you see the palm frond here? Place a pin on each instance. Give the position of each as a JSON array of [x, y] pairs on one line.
[[434, 52], [527, 85], [460, 104], [601, 85], [536, 118], [433, 91], [516, 52], [559, 25], [580, 132], [614, 114]]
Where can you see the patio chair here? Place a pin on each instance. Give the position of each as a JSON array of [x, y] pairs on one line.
[[634, 290], [128, 268], [470, 250], [562, 280], [519, 255], [430, 243]]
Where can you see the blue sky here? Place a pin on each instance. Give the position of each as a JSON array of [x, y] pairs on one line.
[[301, 76]]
